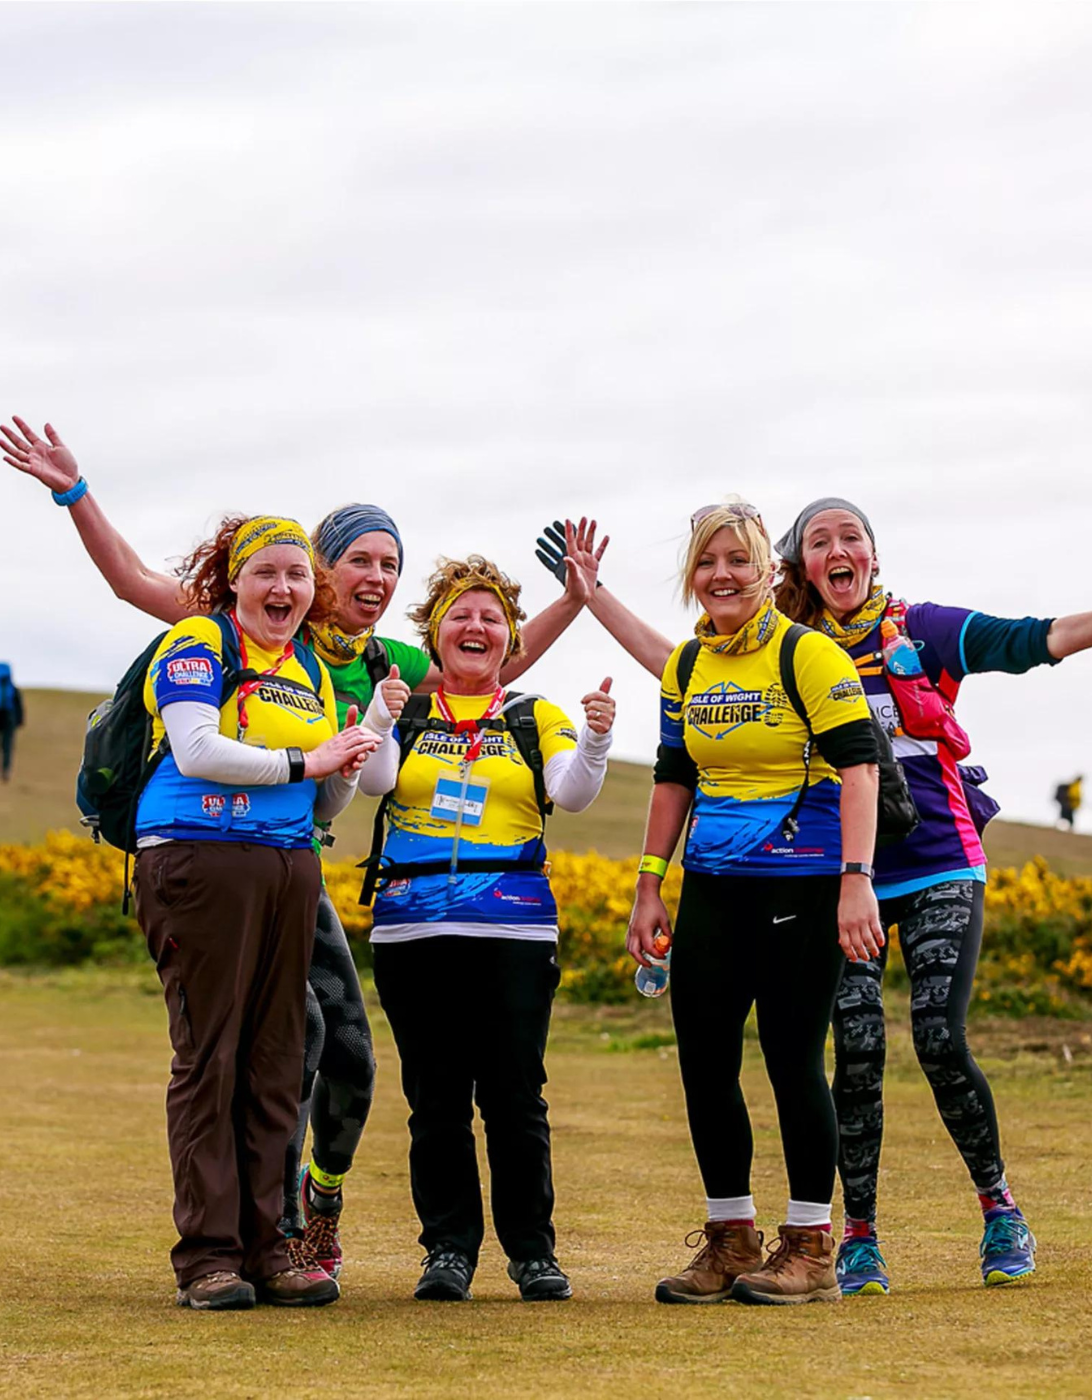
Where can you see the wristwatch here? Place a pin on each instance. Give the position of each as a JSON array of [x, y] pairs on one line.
[[296, 766], [857, 867]]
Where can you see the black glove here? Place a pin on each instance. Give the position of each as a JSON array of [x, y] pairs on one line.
[[552, 550]]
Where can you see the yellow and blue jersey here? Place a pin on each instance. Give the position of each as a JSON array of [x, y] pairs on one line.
[[284, 711], [739, 730], [501, 822]]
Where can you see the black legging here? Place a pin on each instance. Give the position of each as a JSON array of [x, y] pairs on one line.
[[339, 1064], [470, 1017], [940, 932], [770, 941]]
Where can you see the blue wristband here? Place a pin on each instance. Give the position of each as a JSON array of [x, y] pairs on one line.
[[72, 495]]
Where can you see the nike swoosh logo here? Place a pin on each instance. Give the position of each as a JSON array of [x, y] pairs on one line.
[[784, 919]]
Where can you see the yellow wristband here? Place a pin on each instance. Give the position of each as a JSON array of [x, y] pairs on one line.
[[652, 865]]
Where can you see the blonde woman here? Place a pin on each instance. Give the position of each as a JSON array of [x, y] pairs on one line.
[[780, 813]]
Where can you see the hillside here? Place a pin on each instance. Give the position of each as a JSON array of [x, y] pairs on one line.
[[39, 798]]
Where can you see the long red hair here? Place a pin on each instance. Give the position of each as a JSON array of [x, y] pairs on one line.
[[204, 575]]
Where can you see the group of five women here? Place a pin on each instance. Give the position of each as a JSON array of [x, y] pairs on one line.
[[272, 700]]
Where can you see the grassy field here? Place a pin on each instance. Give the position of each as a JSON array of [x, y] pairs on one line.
[[39, 799], [86, 1304]]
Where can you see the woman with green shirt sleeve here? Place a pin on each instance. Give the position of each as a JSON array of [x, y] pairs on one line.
[[361, 547]]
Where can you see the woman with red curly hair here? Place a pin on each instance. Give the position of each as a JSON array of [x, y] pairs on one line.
[[247, 754]]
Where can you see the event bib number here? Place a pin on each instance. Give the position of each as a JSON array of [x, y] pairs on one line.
[[448, 796]]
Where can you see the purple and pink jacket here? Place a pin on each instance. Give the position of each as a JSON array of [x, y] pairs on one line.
[[953, 643]]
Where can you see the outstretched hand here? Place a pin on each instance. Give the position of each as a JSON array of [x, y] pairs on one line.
[[570, 553], [47, 459]]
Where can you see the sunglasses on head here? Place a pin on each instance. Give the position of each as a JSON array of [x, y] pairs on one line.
[[740, 509]]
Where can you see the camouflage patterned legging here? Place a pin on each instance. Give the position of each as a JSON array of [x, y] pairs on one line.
[[339, 1063], [940, 932]]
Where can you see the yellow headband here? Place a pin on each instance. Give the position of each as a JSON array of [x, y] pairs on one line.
[[469, 585], [259, 533]]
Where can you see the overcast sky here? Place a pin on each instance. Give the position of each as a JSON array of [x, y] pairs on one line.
[[489, 264]]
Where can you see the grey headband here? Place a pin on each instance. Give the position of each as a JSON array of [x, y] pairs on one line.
[[788, 546]]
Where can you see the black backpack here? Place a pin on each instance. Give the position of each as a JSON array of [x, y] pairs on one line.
[[520, 722], [117, 758], [896, 812]]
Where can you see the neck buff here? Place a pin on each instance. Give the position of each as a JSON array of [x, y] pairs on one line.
[[849, 633], [751, 636], [259, 533], [338, 648], [468, 585], [336, 533]]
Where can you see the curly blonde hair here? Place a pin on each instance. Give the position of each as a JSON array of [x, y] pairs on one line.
[[461, 576]]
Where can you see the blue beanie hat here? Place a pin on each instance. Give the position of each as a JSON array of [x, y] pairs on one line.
[[336, 533]]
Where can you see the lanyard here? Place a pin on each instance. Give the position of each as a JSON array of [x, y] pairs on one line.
[[466, 726], [470, 726], [249, 687]]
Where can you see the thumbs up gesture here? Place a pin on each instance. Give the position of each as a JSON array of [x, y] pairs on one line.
[[599, 708], [395, 693]]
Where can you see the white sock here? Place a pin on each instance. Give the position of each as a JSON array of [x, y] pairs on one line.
[[729, 1207], [807, 1213]]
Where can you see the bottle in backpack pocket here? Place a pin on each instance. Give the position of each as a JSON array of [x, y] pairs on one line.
[[900, 655], [924, 712]]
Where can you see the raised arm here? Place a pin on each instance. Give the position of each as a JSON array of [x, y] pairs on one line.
[[573, 545], [543, 630], [51, 462]]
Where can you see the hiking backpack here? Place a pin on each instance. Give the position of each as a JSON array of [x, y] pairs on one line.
[[896, 812], [521, 723], [117, 757]]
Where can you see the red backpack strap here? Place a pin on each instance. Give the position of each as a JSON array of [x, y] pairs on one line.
[[896, 610]]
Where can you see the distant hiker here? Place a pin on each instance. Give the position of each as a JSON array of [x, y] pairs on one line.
[[11, 718], [1068, 798]]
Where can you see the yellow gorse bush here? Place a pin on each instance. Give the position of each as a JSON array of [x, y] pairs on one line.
[[60, 903]]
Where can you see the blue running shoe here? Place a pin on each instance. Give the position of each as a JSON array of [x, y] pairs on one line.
[[860, 1267], [1008, 1247]]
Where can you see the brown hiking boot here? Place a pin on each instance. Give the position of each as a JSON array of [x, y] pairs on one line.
[[223, 1291], [728, 1251], [299, 1288], [300, 1253], [798, 1269]]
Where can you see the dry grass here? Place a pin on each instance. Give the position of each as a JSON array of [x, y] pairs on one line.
[[86, 1299]]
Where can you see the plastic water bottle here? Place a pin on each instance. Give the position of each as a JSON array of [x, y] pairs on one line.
[[900, 655], [652, 981]]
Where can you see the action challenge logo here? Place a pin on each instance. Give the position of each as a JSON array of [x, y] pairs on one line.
[[724, 707]]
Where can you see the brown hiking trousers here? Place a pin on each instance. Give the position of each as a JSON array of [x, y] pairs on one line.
[[230, 926]]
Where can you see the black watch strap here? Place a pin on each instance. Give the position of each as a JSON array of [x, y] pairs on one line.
[[296, 765], [858, 867]]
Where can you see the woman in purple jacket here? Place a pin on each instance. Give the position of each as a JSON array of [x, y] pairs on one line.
[[931, 885]]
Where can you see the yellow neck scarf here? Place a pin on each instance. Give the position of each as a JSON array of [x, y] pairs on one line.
[[850, 632], [338, 648], [752, 635]]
